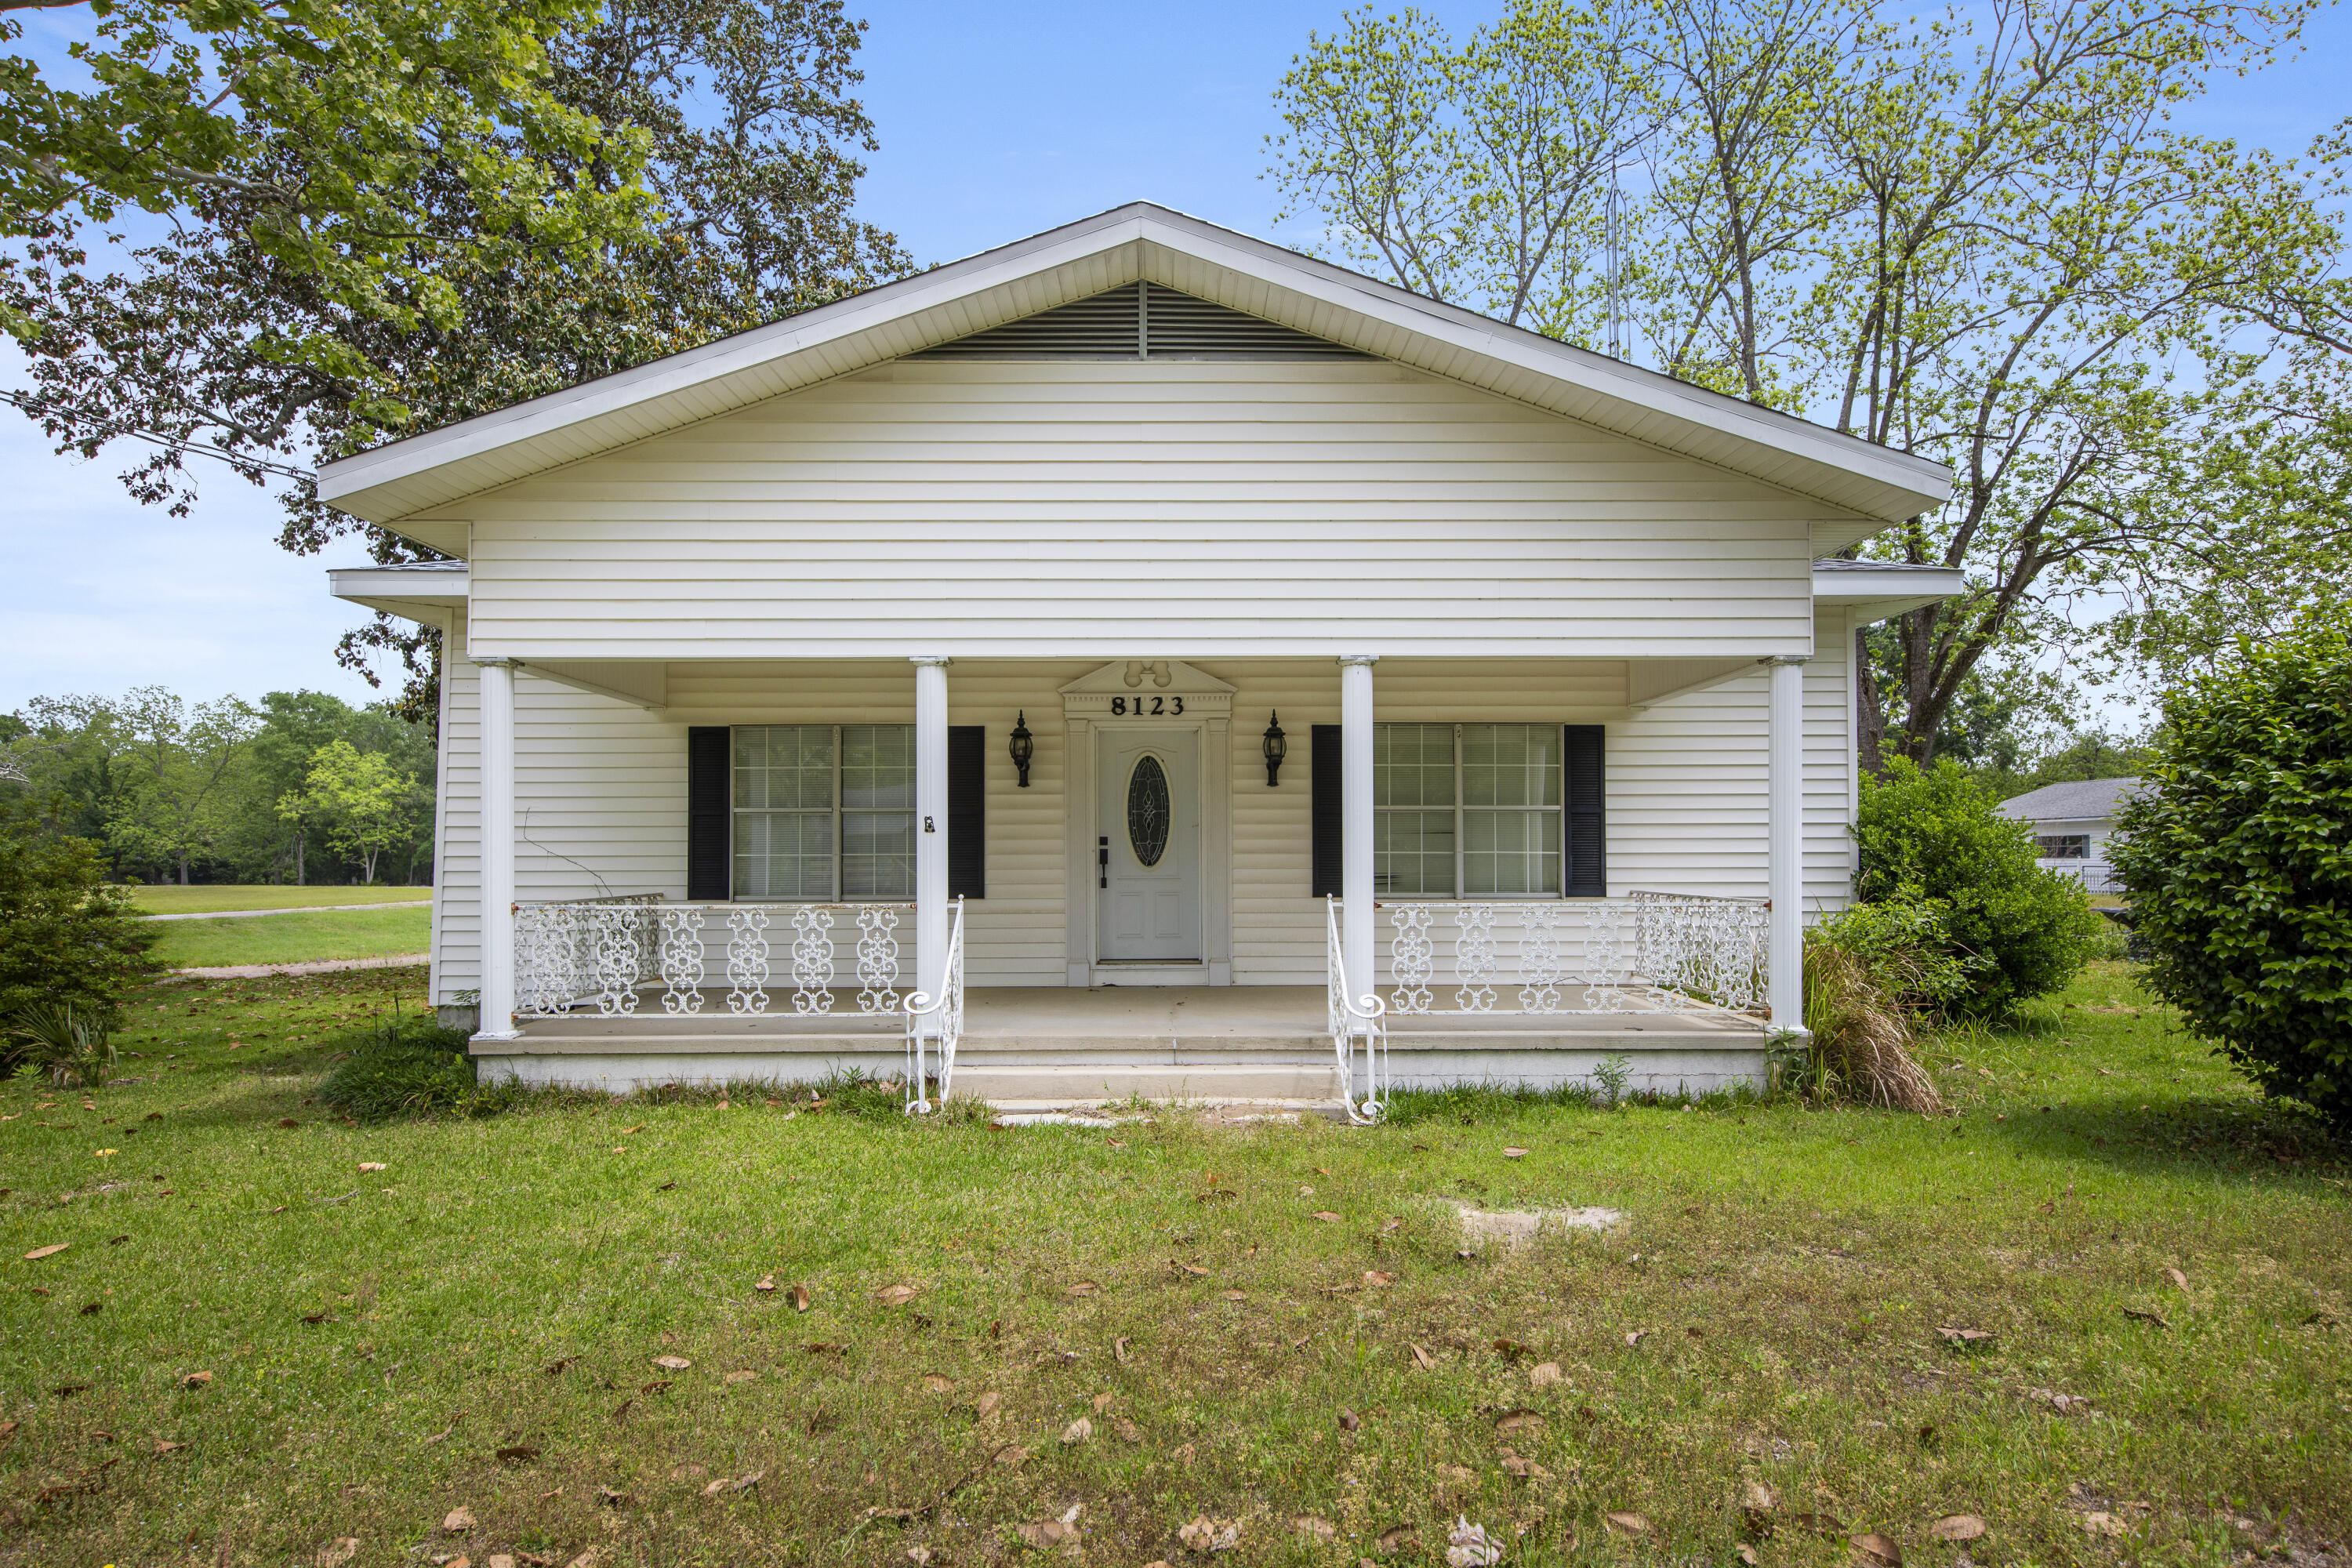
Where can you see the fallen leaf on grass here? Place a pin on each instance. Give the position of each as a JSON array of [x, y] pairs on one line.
[[1077, 1432], [765, 1283], [195, 1380], [1514, 1153], [1959, 1336], [1350, 1421], [1190, 1270], [1746, 1553], [934, 1382], [371, 1165], [338, 1552], [740, 1376], [988, 1404], [1759, 1497], [1398, 1538], [1321, 1529], [1325, 1216], [612, 1498], [2180, 1280], [165, 1446], [50, 1251], [1118, 1347], [1519, 1421], [1545, 1374], [1128, 1432], [1421, 1358], [458, 1520], [1635, 1337], [659, 1386], [439, 1436], [288, 1121], [2107, 1524], [1053, 1535], [672, 1363], [1876, 1551], [1625, 1521], [800, 1297], [896, 1295], [726, 1484], [1012, 1457], [1957, 1527], [1377, 1278], [1083, 1288], [1102, 1400], [2156, 1318]]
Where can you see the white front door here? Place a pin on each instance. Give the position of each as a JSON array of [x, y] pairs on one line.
[[1148, 849]]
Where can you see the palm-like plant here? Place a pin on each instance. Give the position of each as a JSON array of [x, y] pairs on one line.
[[77, 1048]]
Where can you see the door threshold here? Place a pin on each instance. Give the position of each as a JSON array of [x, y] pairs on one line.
[[1147, 963]]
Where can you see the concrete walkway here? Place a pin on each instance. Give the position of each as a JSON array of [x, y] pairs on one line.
[[297, 910], [313, 967]]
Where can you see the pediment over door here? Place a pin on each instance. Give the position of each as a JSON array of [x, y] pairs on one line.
[[1148, 688]]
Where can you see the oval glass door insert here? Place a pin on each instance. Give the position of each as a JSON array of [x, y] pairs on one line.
[[1147, 811]]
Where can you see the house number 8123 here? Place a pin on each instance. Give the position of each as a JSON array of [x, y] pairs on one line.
[[1147, 707]]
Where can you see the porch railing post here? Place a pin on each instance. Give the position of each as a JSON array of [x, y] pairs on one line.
[[1786, 934], [931, 829], [1356, 914], [498, 872]]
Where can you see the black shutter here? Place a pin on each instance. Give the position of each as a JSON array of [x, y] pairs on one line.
[[1323, 779], [966, 811], [1586, 871], [709, 760]]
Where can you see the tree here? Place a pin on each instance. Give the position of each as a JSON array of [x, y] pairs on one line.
[[179, 807], [743, 112], [1978, 238], [365, 807], [2238, 858], [66, 938], [310, 121]]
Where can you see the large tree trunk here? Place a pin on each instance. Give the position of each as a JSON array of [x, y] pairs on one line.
[[1870, 707], [298, 861], [183, 870]]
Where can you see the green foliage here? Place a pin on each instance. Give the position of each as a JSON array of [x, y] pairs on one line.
[[1931, 838], [76, 1048], [365, 807], [412, 1068], [66, 938], [1868, 970], [2238, 860]]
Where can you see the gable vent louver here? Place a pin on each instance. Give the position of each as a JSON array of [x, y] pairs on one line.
[[1141, 321]]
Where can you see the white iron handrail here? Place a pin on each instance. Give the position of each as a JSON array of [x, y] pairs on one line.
[[945, 1020], [1647, 952], [1354, 1021], [569, 952]]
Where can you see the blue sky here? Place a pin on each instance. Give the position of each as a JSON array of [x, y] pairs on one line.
[[996, 121]]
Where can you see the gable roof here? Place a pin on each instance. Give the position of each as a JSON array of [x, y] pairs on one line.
[[1137, 242], [2083, 800]]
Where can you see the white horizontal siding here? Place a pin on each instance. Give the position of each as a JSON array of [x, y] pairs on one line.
[[602, 786], [1100, 510]]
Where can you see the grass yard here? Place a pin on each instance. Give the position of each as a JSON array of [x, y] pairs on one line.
[[204, 898], [270, 1330], [292, 939]]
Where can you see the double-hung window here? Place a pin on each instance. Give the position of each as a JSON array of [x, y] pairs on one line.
[[824, 813], [2065, 846], [1466, 810]]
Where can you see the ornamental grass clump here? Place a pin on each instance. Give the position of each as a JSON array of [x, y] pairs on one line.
[[76, 1050], [1869, 972]]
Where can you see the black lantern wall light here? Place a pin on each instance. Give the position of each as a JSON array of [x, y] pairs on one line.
[[1277, 747], [1021, 747]]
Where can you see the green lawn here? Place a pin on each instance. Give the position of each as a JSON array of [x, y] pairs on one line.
[[206, 897], [290, 939], [476, 1324]]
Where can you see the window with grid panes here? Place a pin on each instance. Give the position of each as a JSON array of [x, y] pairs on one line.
[[1466, 810], [824, 813]]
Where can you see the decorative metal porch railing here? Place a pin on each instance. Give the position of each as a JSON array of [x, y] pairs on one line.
[[1358, 1025], [936, 1023], [1650, 952], [609, 952]]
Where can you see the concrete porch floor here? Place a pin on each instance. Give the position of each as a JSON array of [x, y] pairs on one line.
[[1031, 1047]]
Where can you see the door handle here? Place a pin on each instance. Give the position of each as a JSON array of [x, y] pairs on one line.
[[1102, 863]]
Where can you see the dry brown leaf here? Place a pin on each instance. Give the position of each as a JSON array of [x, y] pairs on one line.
[[588, 1559], [800, 1297], [1102, 1400], [1957, 1527], [1876, 1551], [1421, 1358], [1193, 1271], [1325, 1216], [50, 1251], [1118, 1347], [1759, 1497], [672, 1363], [1376, 1277], [2147, 1316], [988, 1404], [518, 1453], [1746, 1553], [2180, 1280], [1077, 1432], [1053, 1535], [1182, 1454], [896, 1295], [1545, 1374], [1083, 1288], [163, 1445], [338, 1552], [2103, 1523], [1960, 1336], [371, 1164], [1635, 1337], [1519, 1421], [1625, 1521], [458, 1520], [499, 1559], [765, 1282], [1526, 1469], [740, 1376], [1128, 1432], [937, 1383], [1012, 1457], [1514, 1153], [1321, 1529], [195, 1380], [1398, 1538]]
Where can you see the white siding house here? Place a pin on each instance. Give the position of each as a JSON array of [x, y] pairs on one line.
[[739, 648], [2072, 823]]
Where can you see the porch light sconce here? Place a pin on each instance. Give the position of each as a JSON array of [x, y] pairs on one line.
[[1021, 747], [1277, 747]]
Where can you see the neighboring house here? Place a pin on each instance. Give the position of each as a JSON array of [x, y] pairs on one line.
[[2072, 823], [1081, 620]]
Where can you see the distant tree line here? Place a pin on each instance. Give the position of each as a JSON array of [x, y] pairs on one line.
[[303, 788]]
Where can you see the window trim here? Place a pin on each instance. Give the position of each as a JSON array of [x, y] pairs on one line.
[[1462, 809]]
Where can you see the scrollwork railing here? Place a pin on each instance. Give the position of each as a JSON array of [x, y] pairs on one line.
[[607, 953], [1650, 952]]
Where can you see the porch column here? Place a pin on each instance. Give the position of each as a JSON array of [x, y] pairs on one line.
[[1787, 841], [930, 824], [497, 848], [1356, 820]]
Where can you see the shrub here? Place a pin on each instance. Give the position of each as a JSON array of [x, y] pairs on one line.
[[1930, 837], [413, 1068], [2239, 861], [67, 939], [76, 1048], [1867, 971]]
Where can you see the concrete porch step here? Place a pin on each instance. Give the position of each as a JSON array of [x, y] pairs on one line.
[[1009, 1084]]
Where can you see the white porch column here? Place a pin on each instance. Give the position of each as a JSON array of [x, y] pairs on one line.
[[1356, 820], [1787, 840], [930, 825], [497, 709]]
